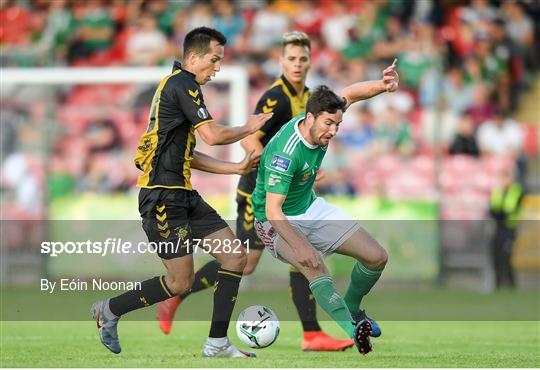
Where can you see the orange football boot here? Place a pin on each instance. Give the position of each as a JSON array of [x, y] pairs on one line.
[[320, 341], [165, 313]]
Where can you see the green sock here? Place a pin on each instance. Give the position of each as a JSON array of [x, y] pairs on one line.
[[362, 280], [330, 300]]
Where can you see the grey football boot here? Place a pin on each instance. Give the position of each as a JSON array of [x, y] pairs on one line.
[[107, 328]]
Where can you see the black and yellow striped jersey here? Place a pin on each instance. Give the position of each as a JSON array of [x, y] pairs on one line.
[[165, 150], [282, 99]]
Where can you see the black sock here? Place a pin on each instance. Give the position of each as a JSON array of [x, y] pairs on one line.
[[225, 292], [205, 277], [152, 291], [304, 301]]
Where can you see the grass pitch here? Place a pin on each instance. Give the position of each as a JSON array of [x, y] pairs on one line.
[[404, 344], [421, 328]]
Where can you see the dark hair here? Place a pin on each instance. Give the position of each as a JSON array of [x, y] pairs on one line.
[[324, 100], [198, 40]]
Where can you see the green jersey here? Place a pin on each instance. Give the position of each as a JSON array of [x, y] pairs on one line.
[[288, 166]]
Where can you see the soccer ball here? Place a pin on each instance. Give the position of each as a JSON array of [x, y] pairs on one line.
[[257, 326]]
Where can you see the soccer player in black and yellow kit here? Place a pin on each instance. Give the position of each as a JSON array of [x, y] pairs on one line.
[[172, 211], [286, 98]]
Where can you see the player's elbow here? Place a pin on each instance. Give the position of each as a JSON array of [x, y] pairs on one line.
[[272, 212], [244, 143], [211, 134], [210, 139]]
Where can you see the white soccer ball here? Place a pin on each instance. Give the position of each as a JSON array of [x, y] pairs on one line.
[[257, 326]]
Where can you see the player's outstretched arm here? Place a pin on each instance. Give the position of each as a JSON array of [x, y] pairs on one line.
[[206, 163], [252, 143], [305, 254], [216, 134], [368, 89]]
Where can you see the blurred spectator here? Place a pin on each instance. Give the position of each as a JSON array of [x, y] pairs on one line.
[[93, 30], [520, 30], [103, 136], [147, 45], [164, 12], [465, 140], [417, 55], [390, 44], [60, 182], [481, 107], [335, 28], [500, 135], [473, 70], [457, 93], [358, 133], [96, 176], [479, 11], [393, 133], [335, 179], [472, 56], [200, 14], [504, 208], [34, 47], [267, 27], [518, 25], [22, 174], [15, 23], [178, 33], [228, 21], [308, 18]]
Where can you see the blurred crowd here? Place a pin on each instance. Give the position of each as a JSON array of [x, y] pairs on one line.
[[464, 65]]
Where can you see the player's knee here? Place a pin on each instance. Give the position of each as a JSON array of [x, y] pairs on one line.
[[250, 268], [312, 272], [178, 285], [236, 261], [382, 258]]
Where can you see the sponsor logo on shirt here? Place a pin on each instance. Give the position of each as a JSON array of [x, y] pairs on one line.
[[202, 113], [280, 163], [273, 180]]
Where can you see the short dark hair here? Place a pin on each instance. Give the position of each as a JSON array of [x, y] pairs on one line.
[[324, 100], [198, 40]]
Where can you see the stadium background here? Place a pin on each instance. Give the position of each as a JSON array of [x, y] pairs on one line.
[[67, 151], [67, 155]]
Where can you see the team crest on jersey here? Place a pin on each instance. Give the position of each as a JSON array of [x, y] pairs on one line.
[[202, 113], [281, 163], [307, 175], [146, 145]]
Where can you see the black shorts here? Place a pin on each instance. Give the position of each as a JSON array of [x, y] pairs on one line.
[[176, 216], [245, 230]]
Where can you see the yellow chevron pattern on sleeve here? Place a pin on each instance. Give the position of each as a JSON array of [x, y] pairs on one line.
[[194, 94], [271, 102], [266, 109]]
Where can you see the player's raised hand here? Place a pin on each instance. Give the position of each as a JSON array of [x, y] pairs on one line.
[[391, 77], [249, 163], [256, 121]]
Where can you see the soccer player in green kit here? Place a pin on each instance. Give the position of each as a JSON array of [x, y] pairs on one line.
[[286, 98], [297, 227]]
